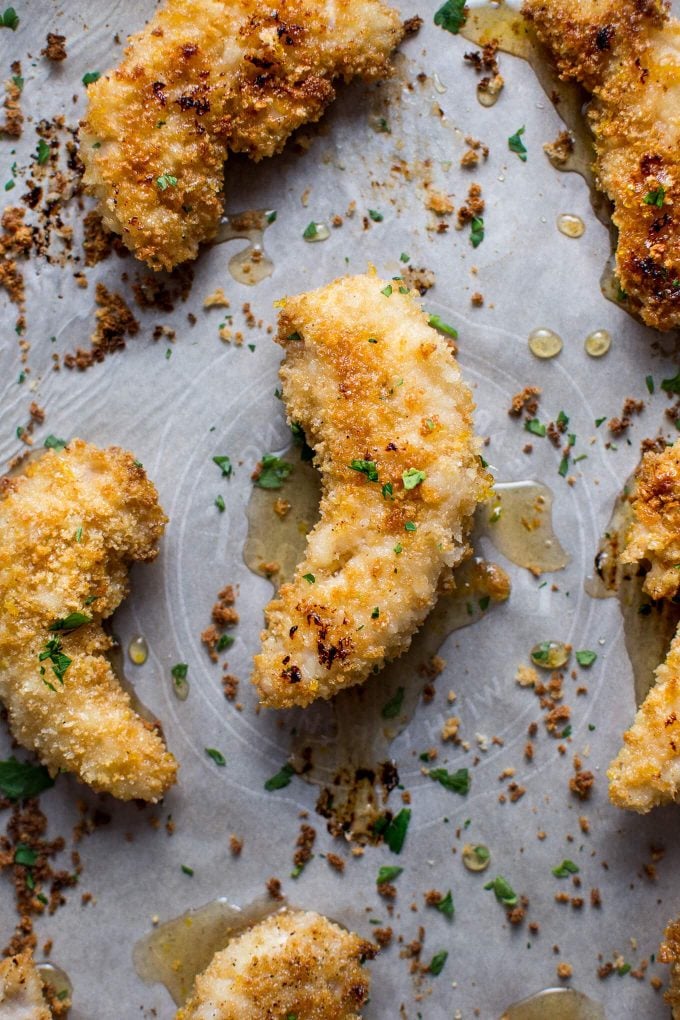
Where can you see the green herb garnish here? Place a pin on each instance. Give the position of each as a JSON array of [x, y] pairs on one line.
[[438, 323], [458, 782], [586, 657], [20, 780], [412, 477], [388, 874], [166, 181], [216, 756], [565, 869], [273, 472], [516, 145], [281, 779], [503, 891], [365, 467], [451, 16], [392, 708]]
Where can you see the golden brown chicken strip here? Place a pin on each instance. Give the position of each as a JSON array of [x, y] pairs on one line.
[[21, 990], [381, 400], [627, 54], [646, 771], [205, 77], [71, 525], [293, 964], [669, 952]]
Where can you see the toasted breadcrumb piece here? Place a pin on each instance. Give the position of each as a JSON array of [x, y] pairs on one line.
[[295, 963], [72, 524], [655, 533], [627, 54], [669, 952], [205, 77], [21, 990], [386, 535]]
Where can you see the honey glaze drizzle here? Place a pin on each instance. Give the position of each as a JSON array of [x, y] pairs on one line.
[[648, 626], [175, 952], [343, 746], [251, 265], [556, 1004]]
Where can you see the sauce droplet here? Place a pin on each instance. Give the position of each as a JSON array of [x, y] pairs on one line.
[[57, 981], [438, 84], [556, 1004], [550, 654], [598, 343], [138, 650], [570, 225], [518, 520], [544, 343], [252, 264], [488, 91], [316, 232], [476, 856]]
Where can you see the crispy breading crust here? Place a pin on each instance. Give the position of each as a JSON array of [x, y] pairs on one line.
[[655, 533], [295, 963], [646, 771], [627, 53], [21, 990], [399, 403], [669, 952], [208, 76], [71, 525]]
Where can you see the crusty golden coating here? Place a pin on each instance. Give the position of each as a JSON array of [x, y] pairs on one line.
[[205, 77], [646, 771], [295, 963], [669, 952], [371, 384], [627, 54], [21, 990], [71, 525], [655, 533]]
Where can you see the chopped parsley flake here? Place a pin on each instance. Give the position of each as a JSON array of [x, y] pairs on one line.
[[585, 657], [310, 231], [516, 145], [25, 855], [671, 385], [376, 216], [281, 779], [166, 181], [451, 16], [59, 659], [388, 873], [372, 340], [565, 869], [216, 756], [224, 463], [273, 472], [438, 323], [91, 76], [655, 197], [649, 383], [43, 153], [376, 613], [225, 641], [598, 421], [21, 779], [387, 291], [536, 427], [564, 466], [78, 535], [365, 467], [398, 548], [445, 906], [73, 620], [477, 231], [392, 708], [458, 782], [52, 443], [179, 673], [413, 477], [310, 578], [220, 504], [271, 216], [9, 19], [410, 526], [396, 829], [437, 963], [387, 490], [404, 257], [187, 870], [503, 891]]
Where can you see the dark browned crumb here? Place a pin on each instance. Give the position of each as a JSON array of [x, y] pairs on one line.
[[655, 445], [336, 862], [387, 890], [526, 401], [162, 293], [477, 299], [383, 936], [559, 151], [631, 406], [230, 684], [114, 323], [412, 25], [595, 897], [303, 846], [235, 845], [14, 119], [98, 242], [273, 887], [433, 897], [421, 279], [55, 48], [474, 205], [564, 971], [223, 615], [581, 784]]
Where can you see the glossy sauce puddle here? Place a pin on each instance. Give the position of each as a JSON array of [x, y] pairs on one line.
[[251, 264], [343, 745], [556, 1004]]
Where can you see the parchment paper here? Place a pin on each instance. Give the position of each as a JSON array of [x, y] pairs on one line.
[[208, 398]]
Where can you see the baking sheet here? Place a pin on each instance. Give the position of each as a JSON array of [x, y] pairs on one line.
[[208, 398]]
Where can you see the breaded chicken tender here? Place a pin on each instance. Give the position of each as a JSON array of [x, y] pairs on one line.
[[646, 771], [381, 400], [295, 963], [71, 525], [627, 54], [21, 990], [205, 77], [669, 952]]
